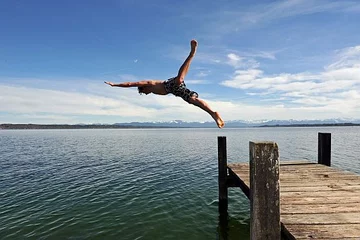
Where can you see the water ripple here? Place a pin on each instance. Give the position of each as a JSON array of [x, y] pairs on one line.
[[134, 184]]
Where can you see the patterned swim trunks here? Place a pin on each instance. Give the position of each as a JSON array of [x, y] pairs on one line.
[[179, 90]]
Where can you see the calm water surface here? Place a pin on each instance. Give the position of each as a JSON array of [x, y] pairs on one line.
[[137, 183]]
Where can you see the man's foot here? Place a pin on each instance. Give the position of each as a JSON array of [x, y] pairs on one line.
[[193, 45], [218, 120]]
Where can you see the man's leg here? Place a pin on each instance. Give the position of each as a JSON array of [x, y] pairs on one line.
[[185, 66], [205, 106]]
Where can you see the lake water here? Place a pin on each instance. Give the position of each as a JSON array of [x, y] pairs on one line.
[[137, 183]]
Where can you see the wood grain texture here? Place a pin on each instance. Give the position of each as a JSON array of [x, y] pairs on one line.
[[316, 201]]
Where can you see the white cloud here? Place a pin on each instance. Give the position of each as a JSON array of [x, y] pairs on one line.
[[236, 61], [346, 58], [202, 74], [336, 88], [256, 111], [55, 106], [30, 100], [260, 54]]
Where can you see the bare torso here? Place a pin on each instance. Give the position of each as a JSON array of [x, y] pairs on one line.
[[156, 87]]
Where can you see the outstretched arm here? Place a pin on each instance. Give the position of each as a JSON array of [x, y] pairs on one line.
[[131, 84]]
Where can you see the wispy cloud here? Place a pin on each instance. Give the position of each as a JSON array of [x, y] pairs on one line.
[[290, 8], [348, 57], [202, 73], [240, 18], [233, 20], [198, 81], [338, 87], [240, 62]]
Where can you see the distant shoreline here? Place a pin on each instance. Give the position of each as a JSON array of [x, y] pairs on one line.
[[9, 126], [69, 126], [314, 125]]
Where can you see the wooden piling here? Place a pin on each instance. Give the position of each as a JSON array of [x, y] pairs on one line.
[[264, 191], [324, 148], [222, 177]]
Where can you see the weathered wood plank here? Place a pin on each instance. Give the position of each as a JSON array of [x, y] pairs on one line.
[[345, 182], [321, 218], [299, 169], [333, 231], [296, 183], [320, 208], [308, 176], [335, 193], [320, 176], [316, 200], [320, 188], [295, 162]]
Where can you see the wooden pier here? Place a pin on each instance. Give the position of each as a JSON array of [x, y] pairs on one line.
[[293, 199]]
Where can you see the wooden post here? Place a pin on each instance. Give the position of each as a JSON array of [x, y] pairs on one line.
[[264, 191], [222, 166], [324, 148]]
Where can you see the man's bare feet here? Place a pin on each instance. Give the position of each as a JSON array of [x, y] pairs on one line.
[[193, 45], [218, 120]]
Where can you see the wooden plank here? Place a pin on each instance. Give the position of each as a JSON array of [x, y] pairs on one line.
[[316, 200], [320, 208], [330, 182], [315, 171], [301, 169], [320, 188], [321, 218], [333, 231], [238, 181], [295, 162], [283, 163], [350, 181], [305, 172], [336, 193], [308, 176], [335, 175]]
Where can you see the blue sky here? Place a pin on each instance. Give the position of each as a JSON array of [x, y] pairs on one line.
[[294, 59]]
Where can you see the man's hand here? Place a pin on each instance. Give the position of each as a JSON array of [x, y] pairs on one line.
[[109, 83]]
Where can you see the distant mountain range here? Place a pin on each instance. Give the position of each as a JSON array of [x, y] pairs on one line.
[[183, 124], [241, 123]]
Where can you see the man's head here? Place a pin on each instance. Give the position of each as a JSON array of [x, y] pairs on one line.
[[144, 90]]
